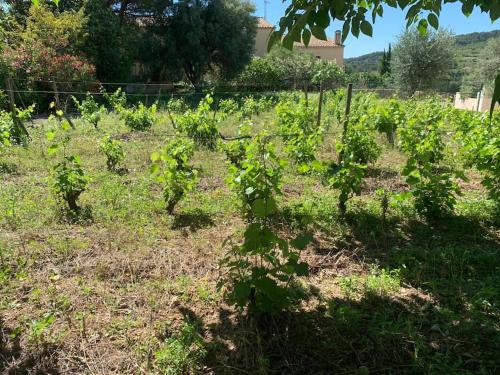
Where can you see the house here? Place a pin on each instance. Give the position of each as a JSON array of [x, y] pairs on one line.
[[330, 49]]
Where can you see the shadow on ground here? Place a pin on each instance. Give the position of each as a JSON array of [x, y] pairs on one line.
[[14, 359], [444, 320], [193, 220]]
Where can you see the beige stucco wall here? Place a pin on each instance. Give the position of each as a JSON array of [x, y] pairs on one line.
[[261, 39], [480, 103], [327, 53]]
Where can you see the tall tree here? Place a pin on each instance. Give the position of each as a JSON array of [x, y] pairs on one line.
[[209, 35], [385, 62], [109, 43], [422, 61]]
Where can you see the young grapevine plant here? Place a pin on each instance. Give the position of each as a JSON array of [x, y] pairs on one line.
[[301, 136], [172, 170], [90, 110], [139, 117], [200, 125], [432, 184], [259, 272], [113, 150], [69, 180]]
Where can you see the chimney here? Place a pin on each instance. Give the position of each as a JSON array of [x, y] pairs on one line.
[[338, 37]]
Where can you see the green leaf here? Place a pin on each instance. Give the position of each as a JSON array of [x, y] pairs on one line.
[[433, 20], [322, 18], [241, 292], [422, 27], [262, 208], [52, 149], [301, 241], [301, 269], [319, 32], [287, 41], [306, 36], [338, 6], [366, 28], [496, 95], [345, 30]]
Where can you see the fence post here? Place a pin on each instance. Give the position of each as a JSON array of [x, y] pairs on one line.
[[320, 104], [19, 126], [346, 118], [58, 104]]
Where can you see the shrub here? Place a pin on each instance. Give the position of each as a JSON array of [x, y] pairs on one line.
[[139, 117], [171, 168], [69, 181], [200, 125], [113, 151], [90, 110], [235, 149]]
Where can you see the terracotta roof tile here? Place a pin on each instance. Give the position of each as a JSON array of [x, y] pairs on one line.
[[263, 24], [315, 42]]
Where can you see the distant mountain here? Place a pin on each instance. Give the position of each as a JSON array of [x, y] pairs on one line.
[[468, 48]]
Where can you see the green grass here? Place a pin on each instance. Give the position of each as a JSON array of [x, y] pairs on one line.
[[128, 289]]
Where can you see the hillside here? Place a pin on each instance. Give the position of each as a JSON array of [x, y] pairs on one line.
[[468, 48]]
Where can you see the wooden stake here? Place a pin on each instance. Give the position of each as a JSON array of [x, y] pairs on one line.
[[320, 104], [19, 126], [58, 104], [346, 119]]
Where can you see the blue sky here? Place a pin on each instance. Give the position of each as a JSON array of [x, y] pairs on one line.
[[386, 29]]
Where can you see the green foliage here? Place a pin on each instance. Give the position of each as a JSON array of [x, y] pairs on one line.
[[353, 14], [177, 106], [359, 144], [200, 124], [172, 170], [213, 35], [480, 141], [422, 61], [182, 353], [113, 150], [69, 181], [387, 115], [90, 110], [235, 149], [47, 48], [257, 178], [431, 182], [9, 130], [117, 100], [110, 43], [259, 272], [6, 125], [296, 123], [228, 106], [385, 62], [139, 117]]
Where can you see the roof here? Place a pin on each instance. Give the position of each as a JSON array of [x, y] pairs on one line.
[[314, 42], [263, 24]]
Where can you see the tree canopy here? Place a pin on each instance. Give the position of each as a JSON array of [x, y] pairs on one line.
[[422, 61]]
